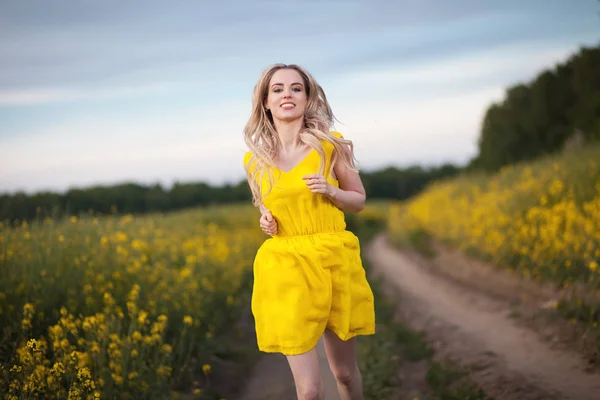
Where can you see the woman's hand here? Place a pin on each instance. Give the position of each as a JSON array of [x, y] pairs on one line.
[[318, 184], [268, 224]]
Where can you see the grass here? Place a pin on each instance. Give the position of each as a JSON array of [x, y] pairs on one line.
[[451, 382], [417, 239], [381, 355]]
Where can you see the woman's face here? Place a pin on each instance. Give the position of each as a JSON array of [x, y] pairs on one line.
[[286, 95]]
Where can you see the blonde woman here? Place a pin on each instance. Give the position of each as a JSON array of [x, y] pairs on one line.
[[308, 277]]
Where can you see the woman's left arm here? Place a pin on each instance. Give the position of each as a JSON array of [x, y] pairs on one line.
[[350, 196]]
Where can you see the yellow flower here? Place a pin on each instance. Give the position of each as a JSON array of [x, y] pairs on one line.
[[26, 324], [188, 320], [593, 266], [95, 348], [64, 344], [117, 379], [163, 371], [28, 310], [206, 368], [142, 317], [121, 236]]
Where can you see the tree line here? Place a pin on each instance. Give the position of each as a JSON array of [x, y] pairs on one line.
[[135, 198], [541, 116], [533, 119]]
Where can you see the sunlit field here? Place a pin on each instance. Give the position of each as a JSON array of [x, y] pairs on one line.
[[131, 307], [541, 219], [121, 307], [140, 307]]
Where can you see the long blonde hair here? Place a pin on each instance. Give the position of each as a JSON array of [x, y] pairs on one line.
[[263, 141]]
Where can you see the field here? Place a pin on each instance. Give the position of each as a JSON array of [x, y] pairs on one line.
[[121, 307], [540, 220], [143, 307]]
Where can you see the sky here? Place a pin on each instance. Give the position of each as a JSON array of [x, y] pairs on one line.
[[104, 92]]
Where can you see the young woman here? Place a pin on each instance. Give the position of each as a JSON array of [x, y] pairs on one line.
[[308, 277]]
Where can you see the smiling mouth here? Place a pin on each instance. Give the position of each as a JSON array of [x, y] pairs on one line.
[[288, 105]]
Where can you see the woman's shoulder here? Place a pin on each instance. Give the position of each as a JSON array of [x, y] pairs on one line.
[[337, 134], [247, 158], [327, 145]]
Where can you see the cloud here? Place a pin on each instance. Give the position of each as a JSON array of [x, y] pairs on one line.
[[93, 143], [431, 113], [44, 96], [419, 132], [70, 45], [499, 65], [69, 51]]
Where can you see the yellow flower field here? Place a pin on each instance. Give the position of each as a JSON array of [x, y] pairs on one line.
[[542, 219], [120, 307]]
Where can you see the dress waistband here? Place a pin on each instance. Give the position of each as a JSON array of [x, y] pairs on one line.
[[308, 235]]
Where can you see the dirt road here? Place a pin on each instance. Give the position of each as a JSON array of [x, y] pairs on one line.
[[473, 328], [272, 379]]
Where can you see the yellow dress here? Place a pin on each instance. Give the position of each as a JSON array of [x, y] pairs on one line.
[[309, 276]]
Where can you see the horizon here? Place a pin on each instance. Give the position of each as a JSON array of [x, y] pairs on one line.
[[105, 94]]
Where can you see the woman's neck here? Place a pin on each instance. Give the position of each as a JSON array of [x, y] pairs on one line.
[[289, 133]]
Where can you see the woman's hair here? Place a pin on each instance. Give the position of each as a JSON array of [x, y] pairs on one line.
[[263, 141]]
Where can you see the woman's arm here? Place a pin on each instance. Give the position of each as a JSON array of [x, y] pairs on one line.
[[351, 195], [263, 209]]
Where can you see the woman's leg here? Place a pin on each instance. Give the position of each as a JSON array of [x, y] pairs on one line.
[[307, 377], [342, 361]]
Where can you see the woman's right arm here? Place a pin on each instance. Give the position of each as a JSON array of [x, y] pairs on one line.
[[263, 209]]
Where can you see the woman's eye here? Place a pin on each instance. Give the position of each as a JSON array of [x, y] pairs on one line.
[[276, 90], [297, 89]]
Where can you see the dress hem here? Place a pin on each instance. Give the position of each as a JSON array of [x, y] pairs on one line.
[[292, 351]]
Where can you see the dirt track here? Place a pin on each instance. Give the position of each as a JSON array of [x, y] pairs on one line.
[[473, 328]]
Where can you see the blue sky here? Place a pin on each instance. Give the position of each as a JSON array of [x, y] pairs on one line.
[[106, 92]]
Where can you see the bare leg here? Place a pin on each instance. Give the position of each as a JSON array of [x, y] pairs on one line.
[[307, 377], [342, 361]]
